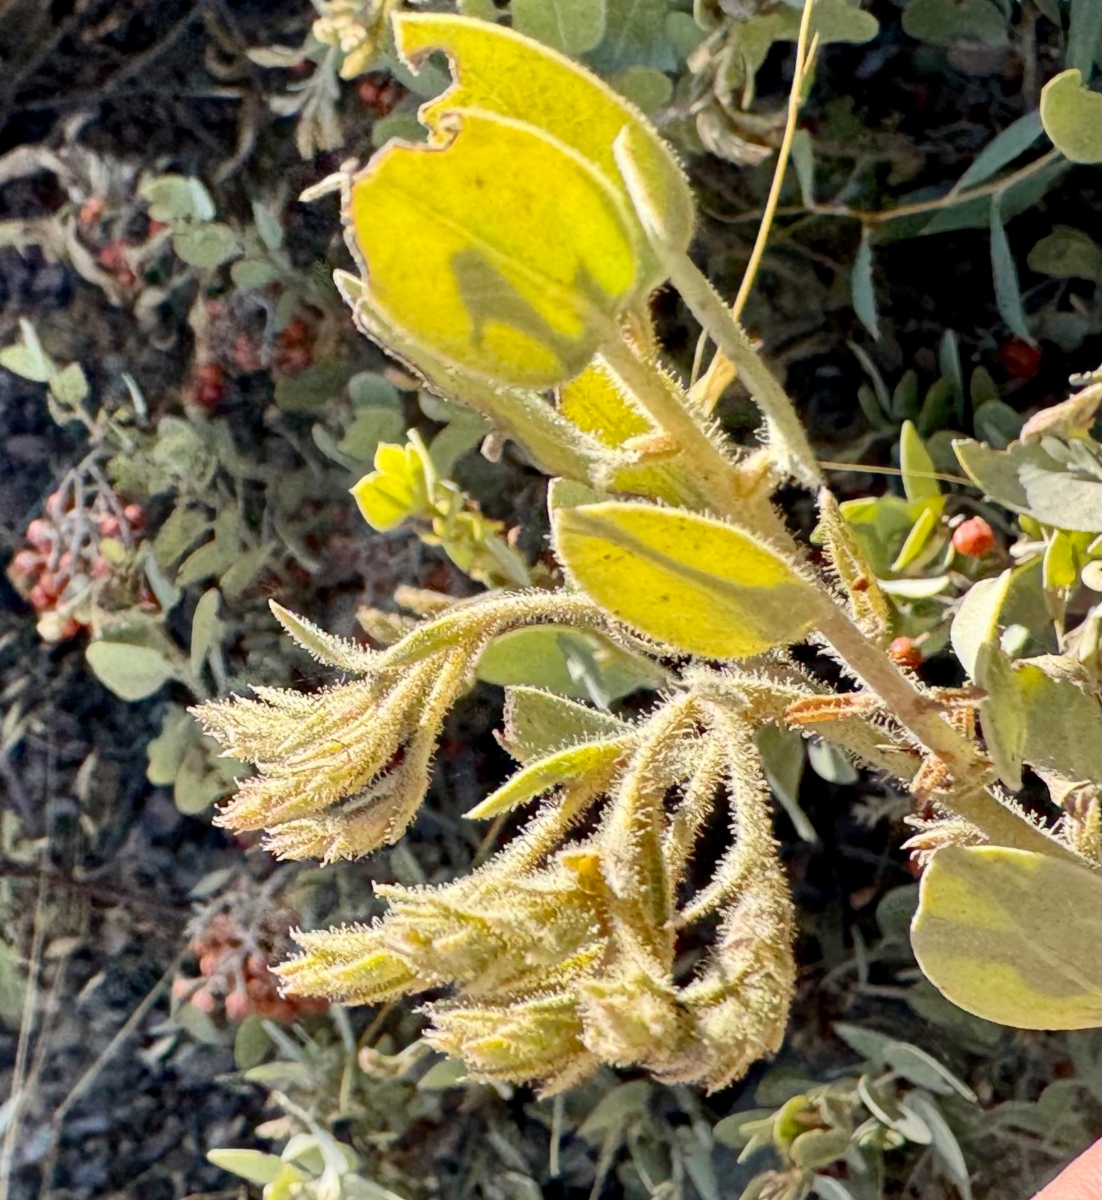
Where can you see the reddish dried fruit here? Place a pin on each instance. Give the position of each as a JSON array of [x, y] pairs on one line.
[[238, 1006], [204, 1002], [905, 653], [40, 534], [210, 384], [973, 538], [113, 260], [295, 333], [25, 563], [288, 360], [49, 584], [246, 354], [1019, 359], [92, 210], [380, 95]]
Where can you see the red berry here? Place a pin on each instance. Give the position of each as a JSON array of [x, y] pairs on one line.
[[295, 333], [55, 506], [135, 515], [49, 584], [91, 210], [25, 563], [246, 354], [1019, 358], [973, 538], [113, 260], [40, 533], [257, 965], [208, 964], [40, 598], [108, 525], [238, 1006], [210, 382], [181, 987], [69, 630], [204, 1002], [905, 653], [288, 360]]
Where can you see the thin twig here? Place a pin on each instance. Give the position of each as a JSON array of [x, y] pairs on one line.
[[721, 371]]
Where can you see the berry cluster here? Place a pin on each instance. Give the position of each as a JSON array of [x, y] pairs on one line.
[[233, 968], [243, 353], [63, 566]]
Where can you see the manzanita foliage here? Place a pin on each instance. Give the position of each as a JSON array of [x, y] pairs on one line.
[[515, 252]]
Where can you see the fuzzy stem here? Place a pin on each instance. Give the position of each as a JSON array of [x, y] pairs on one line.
[[786, 434], [717, 478], [920, 715]]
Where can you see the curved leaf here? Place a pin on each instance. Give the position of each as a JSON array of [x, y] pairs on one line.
[[1012, 936], [1072, 117], [470, 251], [500, 71], [691, 581]]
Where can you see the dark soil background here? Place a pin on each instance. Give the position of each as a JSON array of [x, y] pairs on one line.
[[109, 889]]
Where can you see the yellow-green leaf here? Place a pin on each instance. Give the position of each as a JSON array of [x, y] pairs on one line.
[[690, 581], [471, 251], [537, 722], [547, 773], [1072, 117], [917, 465], [924, 526], [501, 71], [595, 402], [1012, 936]]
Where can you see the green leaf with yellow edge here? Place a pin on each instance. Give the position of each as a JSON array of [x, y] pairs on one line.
[[537, 722], [918, 467], [1012, 936], [500, 71], [1072, 117], [924, 526], [564, 766], [490, 267], [690, 581]]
